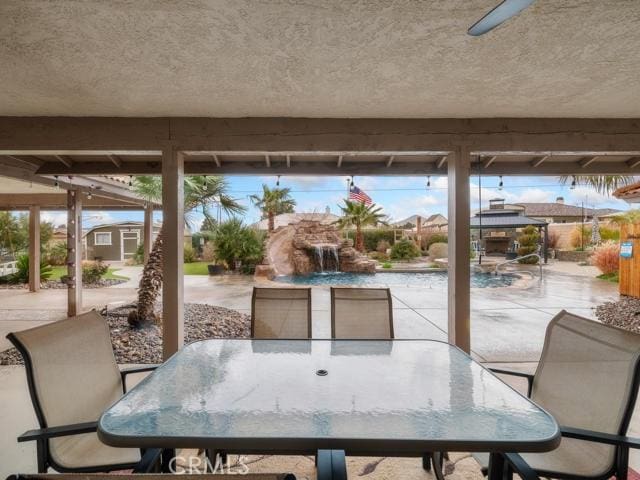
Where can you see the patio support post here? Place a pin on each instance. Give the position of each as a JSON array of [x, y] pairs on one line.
[[172, 251], [34, 248], [459, 164], [545, 246], [74, 252], [147, 238]]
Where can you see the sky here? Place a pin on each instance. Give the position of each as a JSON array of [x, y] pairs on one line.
[[400, 197]]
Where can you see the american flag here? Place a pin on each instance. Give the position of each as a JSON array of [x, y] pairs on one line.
[[359, 196]]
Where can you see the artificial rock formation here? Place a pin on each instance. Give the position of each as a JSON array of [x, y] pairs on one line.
[[310, 246]]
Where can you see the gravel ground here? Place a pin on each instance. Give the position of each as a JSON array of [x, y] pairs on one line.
[[625, 313], [58, 285], [145, 345]]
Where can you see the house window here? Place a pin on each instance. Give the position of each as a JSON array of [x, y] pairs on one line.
[[102, 238]]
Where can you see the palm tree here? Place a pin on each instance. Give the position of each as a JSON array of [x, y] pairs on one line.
[[604, 184], [273, 202], [199, 191], [357, 214]]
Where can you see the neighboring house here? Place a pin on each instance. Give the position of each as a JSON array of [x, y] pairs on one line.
[[435, 220], [558, 211], [117, 242], [629, 193], [285, 219]]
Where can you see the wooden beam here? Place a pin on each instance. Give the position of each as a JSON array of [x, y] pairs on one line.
[[267, 161], [31, 162], [58, 201], [66, 161], [147, 236], [339, 164], [633, 162], [34, 249], [74, 252], [390, 161], [288, 161], [458, 268], [585, 162], [486, 163], [115, 160], [217, 161], [441, 162], [172, 252], [535, 163]]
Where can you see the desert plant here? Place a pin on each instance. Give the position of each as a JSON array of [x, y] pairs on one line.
[[438, 250], [93, 271], [383, 246], [404, 250], [627, 218], [233, 241], [387, 265], [22, 275], [189, 254], [56, 254], [379, 256], [429, 239], [606, 233], [138, 255], [528, 240], [606, 257]]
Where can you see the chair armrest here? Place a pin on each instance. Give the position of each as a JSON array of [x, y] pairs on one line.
[[522, 468], [513, 373], [600, 437], [60, 431], [129, 371]]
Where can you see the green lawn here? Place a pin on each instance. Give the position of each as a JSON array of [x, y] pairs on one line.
[[196, 268], [58, 272], [610, 277]]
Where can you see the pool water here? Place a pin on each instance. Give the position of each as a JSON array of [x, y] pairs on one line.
[[417, 279]]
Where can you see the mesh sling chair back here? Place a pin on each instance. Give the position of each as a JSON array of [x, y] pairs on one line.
[[281, 313], [73, 377], [361, 313], [587, 378]]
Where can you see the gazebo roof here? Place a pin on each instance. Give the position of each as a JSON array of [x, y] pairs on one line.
[[504, 221]]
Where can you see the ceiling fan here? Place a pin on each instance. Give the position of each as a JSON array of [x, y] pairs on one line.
[[501, 13]]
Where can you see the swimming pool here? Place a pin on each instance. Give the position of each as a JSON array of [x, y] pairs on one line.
[[384, 279]]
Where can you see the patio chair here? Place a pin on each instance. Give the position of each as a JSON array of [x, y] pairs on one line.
[[207, 476], [361, 313], [587, 378], [281, 313], [73, 377]]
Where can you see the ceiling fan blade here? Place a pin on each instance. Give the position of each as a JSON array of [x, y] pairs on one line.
[[501, 13]]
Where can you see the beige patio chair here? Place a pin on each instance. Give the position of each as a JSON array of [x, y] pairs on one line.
[[587, 378], [281, 313], [361, 313], [73, 377]]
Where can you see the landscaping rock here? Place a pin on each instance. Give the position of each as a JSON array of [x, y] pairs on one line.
[[201, 322], [625, 313]]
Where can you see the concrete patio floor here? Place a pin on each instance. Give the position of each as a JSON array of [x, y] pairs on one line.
[[508, 326]]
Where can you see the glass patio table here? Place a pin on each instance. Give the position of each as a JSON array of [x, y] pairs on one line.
[[364, 397]]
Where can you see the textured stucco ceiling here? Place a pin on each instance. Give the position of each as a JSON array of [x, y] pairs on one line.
[[324, 58]]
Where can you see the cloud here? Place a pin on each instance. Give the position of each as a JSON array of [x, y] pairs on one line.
[[297, 181], [55, 218], [416, 205]]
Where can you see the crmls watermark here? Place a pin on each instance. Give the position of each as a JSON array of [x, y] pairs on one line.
[[196, 464]]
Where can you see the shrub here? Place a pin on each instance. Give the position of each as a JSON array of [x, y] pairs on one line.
[[383, 246], [553, 239], [372, 237], [606, 257], [381, 257], [56, 254], [606, 233], [22, 275], [404, 250], [209, 252], [528, 240], [92, 271], [138, 256], [189, 254], [438, 250], [431, 238], [233, 241], [386, 265]]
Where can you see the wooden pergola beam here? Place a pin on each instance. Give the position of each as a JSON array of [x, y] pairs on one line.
[[267, 161], [288, 157], [339, 164], [58, 201], [65, 160], [216, 160], [585, 162], [487, 162], [115, 160], [441, 162], [34, 248], [539, 161], [390, 161], [633, 162]]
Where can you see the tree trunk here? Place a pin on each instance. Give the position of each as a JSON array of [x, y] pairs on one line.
[[272, 223], [149, 288], [359, 239]]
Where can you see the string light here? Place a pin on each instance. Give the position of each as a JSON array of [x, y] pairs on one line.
[[429, 181], [56, 184], [573, 183], [278, 181], [501, 184], [131, 180], [89, 194], [351, 184]]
